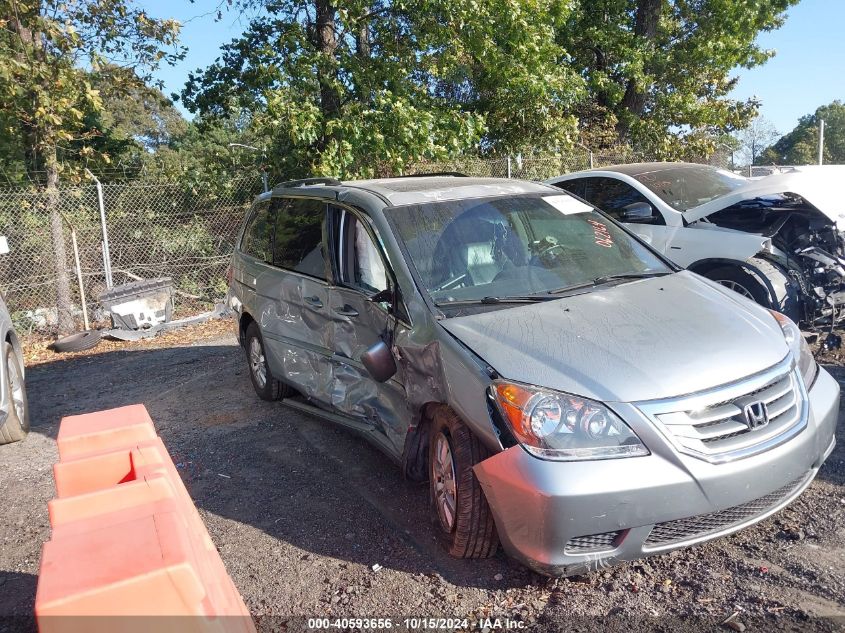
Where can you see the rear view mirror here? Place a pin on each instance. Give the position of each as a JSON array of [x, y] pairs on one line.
[[4, 245], [637, 212], [379, 361]]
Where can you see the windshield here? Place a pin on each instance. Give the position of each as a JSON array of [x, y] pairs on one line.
[[683, 188], [522, 245]]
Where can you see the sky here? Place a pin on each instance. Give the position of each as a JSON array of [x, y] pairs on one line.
[[806, 72]]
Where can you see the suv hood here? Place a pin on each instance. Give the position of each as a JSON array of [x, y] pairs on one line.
[[818, 188], [641, 340]]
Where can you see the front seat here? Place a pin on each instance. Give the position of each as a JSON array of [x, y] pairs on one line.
[[477, 245]]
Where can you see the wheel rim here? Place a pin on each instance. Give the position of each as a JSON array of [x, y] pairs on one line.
[[736, 287], [257, 364], [445, 487], [16, 387]]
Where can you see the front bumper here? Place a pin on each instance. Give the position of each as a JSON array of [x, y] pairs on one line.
[[563, 518]]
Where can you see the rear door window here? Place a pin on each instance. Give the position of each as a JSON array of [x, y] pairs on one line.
[[298, 243]]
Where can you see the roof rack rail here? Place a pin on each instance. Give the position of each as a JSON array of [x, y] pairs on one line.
[[434, 173], [302, 182]]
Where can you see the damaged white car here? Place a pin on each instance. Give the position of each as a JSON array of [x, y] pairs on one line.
[[777, 240]]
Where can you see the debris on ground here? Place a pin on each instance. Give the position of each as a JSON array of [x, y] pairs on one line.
[[36, 349], [732, 623]]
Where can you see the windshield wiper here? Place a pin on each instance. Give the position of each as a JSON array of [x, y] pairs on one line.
[[644, 275], [598, 281], [495, 300]]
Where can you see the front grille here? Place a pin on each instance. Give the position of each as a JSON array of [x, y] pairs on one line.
[[592, 542], [681, 530], [711, 425]]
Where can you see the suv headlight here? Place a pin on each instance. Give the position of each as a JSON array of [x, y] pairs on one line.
[[555, 425], [798, 346]]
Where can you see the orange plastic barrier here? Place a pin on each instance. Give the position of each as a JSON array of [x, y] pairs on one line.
[[127, 539]]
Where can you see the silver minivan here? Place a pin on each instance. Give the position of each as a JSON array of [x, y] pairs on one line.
[[565, 389]]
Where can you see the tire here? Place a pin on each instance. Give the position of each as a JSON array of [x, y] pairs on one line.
[[266, 386], [78, 341], [777, 292], [471, 533], [16, 425]]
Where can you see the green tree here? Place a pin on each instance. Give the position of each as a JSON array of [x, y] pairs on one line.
[[369, 86], [203, 158], [755, 138], [801, 145], [661, 68], [48, 51], [138, 112]]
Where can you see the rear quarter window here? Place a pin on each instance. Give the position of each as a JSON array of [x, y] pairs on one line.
[[257, 237]]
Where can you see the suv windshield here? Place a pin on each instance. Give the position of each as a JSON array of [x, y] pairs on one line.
[[506, 247], [683, 188]]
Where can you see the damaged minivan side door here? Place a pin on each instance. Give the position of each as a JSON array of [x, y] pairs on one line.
[[362, 275], [294, 317]]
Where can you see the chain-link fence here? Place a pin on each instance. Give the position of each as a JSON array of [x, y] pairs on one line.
[[170, 230], [154, 230]]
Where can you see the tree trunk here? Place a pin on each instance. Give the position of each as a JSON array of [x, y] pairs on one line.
[[645, 27], [362, 39], [326, 43], [64, 304]]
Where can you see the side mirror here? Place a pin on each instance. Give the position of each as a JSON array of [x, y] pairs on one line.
[[637, 212], [4, 245], [379, 361]]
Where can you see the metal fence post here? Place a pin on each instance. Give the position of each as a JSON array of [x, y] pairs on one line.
[[821, 141], [106, 253], [509, 165]]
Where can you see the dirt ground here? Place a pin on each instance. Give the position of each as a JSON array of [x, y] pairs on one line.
[[301, 511]]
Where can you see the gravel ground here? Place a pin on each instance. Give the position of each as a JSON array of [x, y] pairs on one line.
[[301, 511]]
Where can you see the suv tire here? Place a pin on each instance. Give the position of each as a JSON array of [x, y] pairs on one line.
[[459, 509], [265, 384], [16, 425]]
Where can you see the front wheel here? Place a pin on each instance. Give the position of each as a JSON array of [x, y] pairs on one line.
[[781, 293], [462, 516], [16, 425], [265, 384]]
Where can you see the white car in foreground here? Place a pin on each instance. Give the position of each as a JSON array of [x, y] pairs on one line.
[[778, 239]]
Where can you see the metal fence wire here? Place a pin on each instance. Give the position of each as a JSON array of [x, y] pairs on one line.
[[171, 230], [154, 230]]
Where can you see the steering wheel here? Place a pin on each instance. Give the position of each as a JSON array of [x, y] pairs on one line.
[[549, 245]]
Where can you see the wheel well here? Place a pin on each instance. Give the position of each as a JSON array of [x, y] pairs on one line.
[[243, 324], [14, 341], [705, 266], [415, 454]]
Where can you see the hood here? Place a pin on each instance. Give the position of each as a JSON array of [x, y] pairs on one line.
[[819, 188], [647, 339]]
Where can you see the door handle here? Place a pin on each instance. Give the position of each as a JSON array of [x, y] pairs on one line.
[[347, 311], [314, 301]]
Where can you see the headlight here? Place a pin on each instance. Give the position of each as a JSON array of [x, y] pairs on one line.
[[798, 346], [555, 425]]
